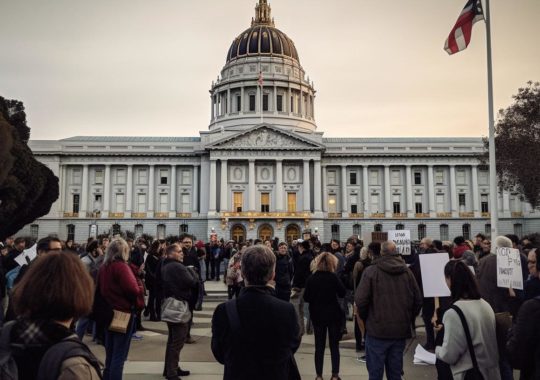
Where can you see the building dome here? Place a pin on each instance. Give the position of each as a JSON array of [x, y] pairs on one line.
[[263, 38]]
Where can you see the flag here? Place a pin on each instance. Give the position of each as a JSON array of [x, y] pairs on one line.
[[460, 36], [260, 80]]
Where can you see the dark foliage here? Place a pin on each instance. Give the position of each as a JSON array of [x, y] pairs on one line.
[[27, 188], [517, 142]]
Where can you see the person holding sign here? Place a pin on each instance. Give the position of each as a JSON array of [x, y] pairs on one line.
[[479, 320]]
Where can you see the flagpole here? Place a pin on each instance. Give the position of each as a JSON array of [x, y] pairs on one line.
[[493, 188]]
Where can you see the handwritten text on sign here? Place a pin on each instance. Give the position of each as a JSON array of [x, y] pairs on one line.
[[509, 268], [402, 239]]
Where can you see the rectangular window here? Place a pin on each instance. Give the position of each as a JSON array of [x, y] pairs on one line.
[[352, 178], [34, 231], [252, 103], [76, 199], [185, 202], [292, 104], [98, 177], [483, 177], [238, 201], [76, 176], [439, 202], [396, 178], [279, 105], [462, 202], [335, 231], [71, 232], [396, 204], [97, 202], [291, 202], [142, 177], [163, 176], [161, 231], [353, 199], [238, 103], [418, 204], [439, 177], [265, 102], [141, 202], [163, 202], [265, 202], [460, 177], [120, 177], [120, 203], [373, 177], [444, 232], [518, 230], [417, 178], [354, 209], [375, 203], [331, 177], [186, 177], [332, 203], [484, 203]]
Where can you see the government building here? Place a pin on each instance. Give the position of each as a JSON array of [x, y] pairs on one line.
[[263, 169]]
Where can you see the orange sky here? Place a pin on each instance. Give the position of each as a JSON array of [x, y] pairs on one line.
[[143, 67]]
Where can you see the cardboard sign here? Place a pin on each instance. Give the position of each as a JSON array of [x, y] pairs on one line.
[[432, 268], [509, 268], [402, 239]]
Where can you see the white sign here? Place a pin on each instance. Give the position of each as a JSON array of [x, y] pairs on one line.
[[93, 231], [432, 268], [509, 268], [31, 252], [402, 239]]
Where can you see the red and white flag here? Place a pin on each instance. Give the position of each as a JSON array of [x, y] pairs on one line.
[[460, 36]]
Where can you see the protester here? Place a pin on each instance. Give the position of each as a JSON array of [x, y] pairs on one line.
[[284, 272], [302, 271], [480, 319], [153, 307], [532, 285], [388, 300], [56, 290], [322, 291], [363, 262], [118, 286], [178, 282], [191, 260], [255, 336]]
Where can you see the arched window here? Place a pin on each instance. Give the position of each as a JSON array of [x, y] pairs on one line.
[[466, 231], [71, 232], [421, 231], [444, 232], [161, 231], [487, 230], [378, 228], [357, 230], [335, 231], [518, 230], [116, 229], [139, 230], [400, 226], [183, 228]]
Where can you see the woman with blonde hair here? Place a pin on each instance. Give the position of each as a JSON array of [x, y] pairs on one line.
[[118, 286], [323, 288]]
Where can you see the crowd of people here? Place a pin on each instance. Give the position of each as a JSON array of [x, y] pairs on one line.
[[278, 293]]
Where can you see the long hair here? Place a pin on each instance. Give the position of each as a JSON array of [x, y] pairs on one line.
[[325, 262], [462, 281], [118, 250]]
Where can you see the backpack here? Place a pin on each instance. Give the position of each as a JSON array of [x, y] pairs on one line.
[[51, 362]]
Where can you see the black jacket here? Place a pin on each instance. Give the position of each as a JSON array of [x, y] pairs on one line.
[[284, 272], [268, 336], [322, 292], [192, 259], [524, 343], [177, 280], [302, 270]]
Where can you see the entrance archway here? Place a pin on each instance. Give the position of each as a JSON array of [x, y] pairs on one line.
[[292, 233], [266, 232], [238, 233]]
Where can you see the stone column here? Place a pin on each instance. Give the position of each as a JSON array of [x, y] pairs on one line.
[[475, 195], [195, 197], [174, 187], [275, 100], [212, 200], [224, 191], [212, 107], [431, 192], [279, 185], [229, 108], [107, 192], [453, 191], [306, 184], [151, 190], [317, 186], [387, 192], [344, 194], [365, 190], [84, 193], [324, 189], [129, 191], [242, 101], [251, 185], [506, 204], [409, 191]]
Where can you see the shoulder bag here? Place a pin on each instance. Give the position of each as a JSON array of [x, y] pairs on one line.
[[175, 311], [473, 373]]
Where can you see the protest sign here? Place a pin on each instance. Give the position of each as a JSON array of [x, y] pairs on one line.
[[509, 272], [31, 252], [432, 268], [402, 239]]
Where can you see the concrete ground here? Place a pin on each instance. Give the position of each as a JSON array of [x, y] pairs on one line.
[[145, 360]]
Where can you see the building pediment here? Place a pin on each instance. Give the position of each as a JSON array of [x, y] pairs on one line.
[[265, 137]]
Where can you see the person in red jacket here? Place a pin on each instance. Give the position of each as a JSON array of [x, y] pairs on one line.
[[119, 287]]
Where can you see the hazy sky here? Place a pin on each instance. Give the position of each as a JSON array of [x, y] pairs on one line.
[[144, 67]]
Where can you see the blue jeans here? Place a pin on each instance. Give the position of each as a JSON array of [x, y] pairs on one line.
[[384, 354], [116, 351], [82, 327]]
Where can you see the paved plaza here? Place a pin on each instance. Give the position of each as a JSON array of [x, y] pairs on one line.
[[145, 360]]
